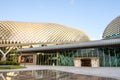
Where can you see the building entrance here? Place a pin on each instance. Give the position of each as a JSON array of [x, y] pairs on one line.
[[86, 62]]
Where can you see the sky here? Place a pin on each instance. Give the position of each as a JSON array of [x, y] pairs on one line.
[[91, 16]]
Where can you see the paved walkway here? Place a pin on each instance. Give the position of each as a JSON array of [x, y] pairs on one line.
[[98, 71]]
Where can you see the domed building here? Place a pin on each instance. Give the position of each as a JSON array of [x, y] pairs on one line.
[[31, 32], [15, 34], [98, 53], [71, 47], [113, 29]]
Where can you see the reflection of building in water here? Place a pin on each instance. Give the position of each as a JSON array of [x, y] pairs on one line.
[[8, 75], [1, 75], [41, 74], [37, 74], [47, 75]]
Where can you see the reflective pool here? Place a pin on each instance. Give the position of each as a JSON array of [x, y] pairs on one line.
[[47, 75]]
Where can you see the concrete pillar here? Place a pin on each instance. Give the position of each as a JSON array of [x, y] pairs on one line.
[[95, 62], [77, 62]]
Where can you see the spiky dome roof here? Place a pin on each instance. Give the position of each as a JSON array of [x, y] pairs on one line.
[[31, 32], [113, 29]]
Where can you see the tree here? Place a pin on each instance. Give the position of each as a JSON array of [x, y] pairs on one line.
[[5, 51]]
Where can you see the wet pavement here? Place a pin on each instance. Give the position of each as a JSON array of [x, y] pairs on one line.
[[47, 75]]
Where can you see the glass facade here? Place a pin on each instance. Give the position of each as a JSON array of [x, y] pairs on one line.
[[108, 56]]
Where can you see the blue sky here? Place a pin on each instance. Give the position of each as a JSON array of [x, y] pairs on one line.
[[92, 16]]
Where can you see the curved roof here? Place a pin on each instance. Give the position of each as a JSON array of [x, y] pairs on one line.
[[89, 44], [31, 32], [113, 29]]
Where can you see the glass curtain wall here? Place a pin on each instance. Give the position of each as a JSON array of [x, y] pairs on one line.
[[108, 57], [46, 59]]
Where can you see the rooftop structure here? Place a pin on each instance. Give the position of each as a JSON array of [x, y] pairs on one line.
[[113, 29], [31, 32]]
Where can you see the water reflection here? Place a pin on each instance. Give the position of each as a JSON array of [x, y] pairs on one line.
[[47, 75]]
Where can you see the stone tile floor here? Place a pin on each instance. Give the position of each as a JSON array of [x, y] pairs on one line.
[[48, 75]]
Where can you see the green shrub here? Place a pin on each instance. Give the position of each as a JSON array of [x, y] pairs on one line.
[[2, 62], [9, 63], [17, 63]]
